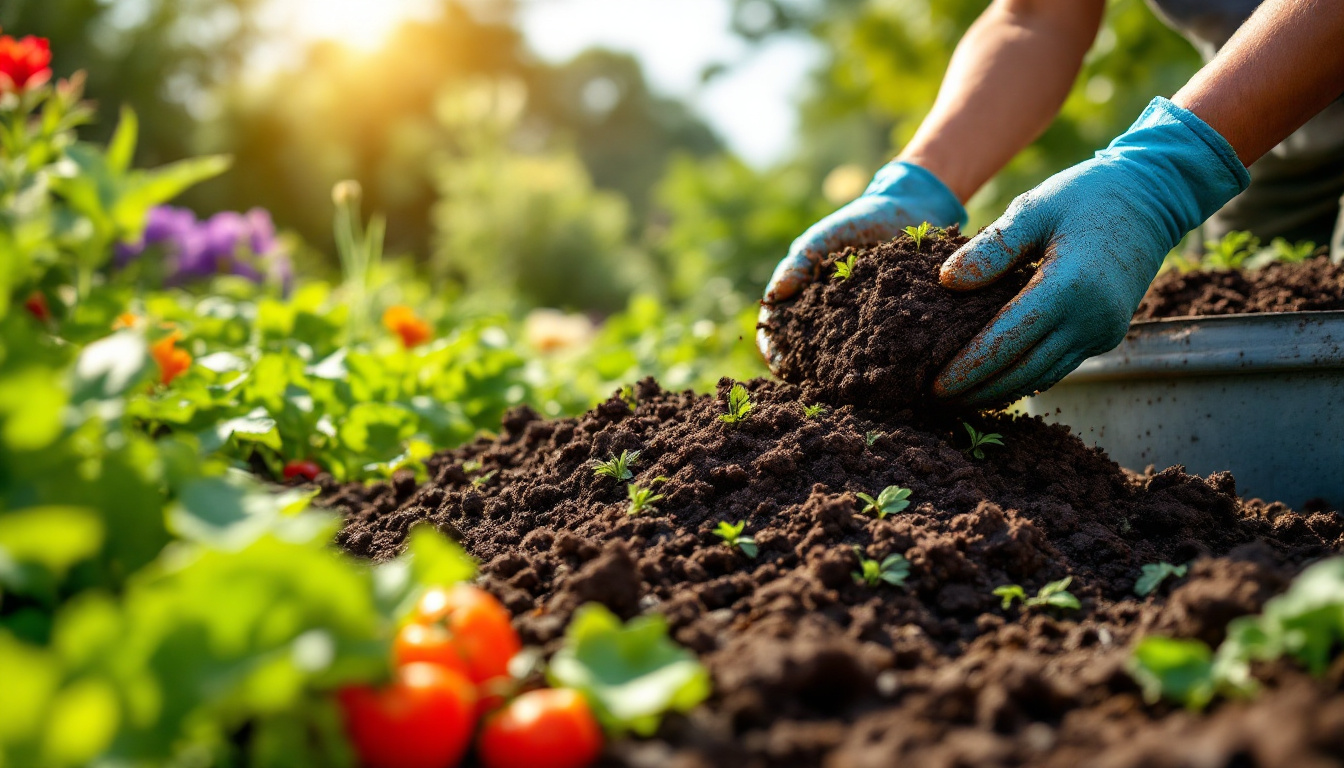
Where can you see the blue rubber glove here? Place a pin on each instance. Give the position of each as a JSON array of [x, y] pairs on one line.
[[901, 195], [1102, 229]]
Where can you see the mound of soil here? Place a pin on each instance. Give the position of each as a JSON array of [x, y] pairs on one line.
[[813, 669], [880, 337], [1314, 285]]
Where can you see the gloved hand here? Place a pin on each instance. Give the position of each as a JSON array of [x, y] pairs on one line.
[[901, 195], [1102, 229]]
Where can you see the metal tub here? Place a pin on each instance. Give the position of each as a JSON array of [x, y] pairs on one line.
[[1260, 395]]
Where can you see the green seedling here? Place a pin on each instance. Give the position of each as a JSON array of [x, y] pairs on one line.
[[732, 537], [477, 482], [471, 465], [628, 395], [891, 500], [980, 439], [1231, 251], [843, 269], [812, 411], [1055, 594], [1289, 253], [873, 437], [617, 467], [894, 570], [642, 499], [739, 405], [1153, 576], [918, 233]]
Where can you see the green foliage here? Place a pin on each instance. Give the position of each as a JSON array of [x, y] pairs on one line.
[[844, 268], [1290, 253], [732, 537], [891, 500], [739, 405], [894, 569], [617, 467], [872, 437], [1178, 670], [918, 233], [631, 674], [1055, 595], [813, 411], [1154, 574], [980, 439], [1231, 251], [642, 499]]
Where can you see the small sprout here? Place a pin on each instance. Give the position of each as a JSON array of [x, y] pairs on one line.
[[1289, 253], [617, 467], [1156, 573], [477, 482], [873, 437], [918, 233], [812, 411], [739, 404], [894, 570], [1230, 251], [471, 465], [1055, 594], [642, 499], [629, 396], [732, 537], [979, 439], [891, 500], [843, 269]]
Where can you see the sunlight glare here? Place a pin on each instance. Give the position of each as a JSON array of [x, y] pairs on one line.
[[360, 24]]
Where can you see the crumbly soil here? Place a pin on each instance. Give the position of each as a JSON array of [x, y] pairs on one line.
[[881, 337], [813, 669], [1311, 286]]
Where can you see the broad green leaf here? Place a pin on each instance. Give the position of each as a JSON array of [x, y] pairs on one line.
[[54, 537], [1179, 670], [82, 722], [146, 189], [1154, 574], [121, 150], [31, 402], [256, 427], [232, 512], [631, 674], [31, 676], [110, 367], [436, 559]]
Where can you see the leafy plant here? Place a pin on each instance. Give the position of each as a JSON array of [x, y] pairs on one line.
[[812, 411], [918, 233], [617, 467], [872, 437], [481, 480], [980, 439], [1154, 574], [1055, 594], [1178, 670], [1230, 251], [629, 396], [891, 500], [631, 674], [844, 269], [732, 537], [642, 499], [894, 569], [739, 405], [1290, 253]]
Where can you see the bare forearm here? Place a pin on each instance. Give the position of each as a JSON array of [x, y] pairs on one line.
[[1283, 66], [1006, 82]]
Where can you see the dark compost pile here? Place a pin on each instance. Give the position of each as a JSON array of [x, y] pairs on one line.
[[881, 337], [1314, 285], [813, 669]]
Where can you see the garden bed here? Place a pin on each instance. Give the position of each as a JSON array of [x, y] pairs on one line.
[[1313, 285], [811, 668]]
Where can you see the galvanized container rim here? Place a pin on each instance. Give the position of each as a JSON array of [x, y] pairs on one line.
[[1222, 345]]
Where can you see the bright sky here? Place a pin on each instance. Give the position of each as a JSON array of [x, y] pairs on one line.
[[751, 105]]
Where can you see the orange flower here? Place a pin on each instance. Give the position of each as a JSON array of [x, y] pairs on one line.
[[403, 321], [172, 361], [125, 320], [24, 63]]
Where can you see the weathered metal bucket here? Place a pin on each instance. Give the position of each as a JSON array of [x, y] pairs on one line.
[[1260, 395]]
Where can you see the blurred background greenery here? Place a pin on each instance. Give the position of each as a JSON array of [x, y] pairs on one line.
[[524, 182]]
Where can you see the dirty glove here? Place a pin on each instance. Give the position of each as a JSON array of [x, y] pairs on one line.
[[1102, 229], [901, 195]]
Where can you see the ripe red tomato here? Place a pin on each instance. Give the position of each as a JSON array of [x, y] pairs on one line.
[[305, 468], [479, 626], [550, 728], [36, 304], [431, 644], [423, 719]]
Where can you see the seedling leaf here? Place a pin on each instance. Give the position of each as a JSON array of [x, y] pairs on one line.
[[812, 411], [1153, 576], [617, 467], [844, 269], [979, 439], [873, 437], [1179, 670], [732, 537], [1009, 593], [739, 405], [917, 233], [891, 500]]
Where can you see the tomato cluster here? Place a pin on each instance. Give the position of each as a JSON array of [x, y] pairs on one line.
[[452, 663]]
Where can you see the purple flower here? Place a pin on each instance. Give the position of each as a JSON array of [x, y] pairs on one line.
[[261, 231], [226, 243], [167, 224]]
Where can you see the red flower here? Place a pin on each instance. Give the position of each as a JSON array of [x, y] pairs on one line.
[[403, 322], [24, 63], [36, 304]]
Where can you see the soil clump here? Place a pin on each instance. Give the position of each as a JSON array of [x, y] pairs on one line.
[[812, 668], [880, 337], [1314, 285]]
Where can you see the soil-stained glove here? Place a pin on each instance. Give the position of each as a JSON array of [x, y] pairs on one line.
[[901, 195], [1102, 229]]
